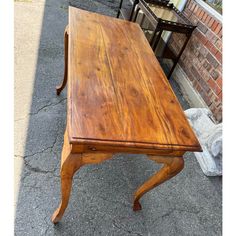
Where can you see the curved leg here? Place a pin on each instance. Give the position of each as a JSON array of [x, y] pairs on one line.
[[172, 166], [70, 163], [63, 84]]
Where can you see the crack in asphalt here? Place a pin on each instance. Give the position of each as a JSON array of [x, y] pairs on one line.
[[37, 169], [26, 156], [47, 105], [180, 210], [40, 109], [116, 225]]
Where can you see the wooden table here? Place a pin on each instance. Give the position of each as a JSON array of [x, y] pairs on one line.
[[119, 100]]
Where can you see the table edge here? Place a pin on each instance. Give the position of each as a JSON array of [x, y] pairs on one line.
[[132, 144]]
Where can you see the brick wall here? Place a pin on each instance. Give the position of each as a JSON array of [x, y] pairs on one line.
[[202, 58]]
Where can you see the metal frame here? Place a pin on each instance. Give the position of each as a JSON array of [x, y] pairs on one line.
[[135, 2], [161, 25]]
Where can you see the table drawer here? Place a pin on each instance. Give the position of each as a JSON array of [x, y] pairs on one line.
[[118, 149]]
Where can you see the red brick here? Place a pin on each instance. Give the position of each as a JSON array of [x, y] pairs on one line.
[[195, 9], [219, 82], [198, 12], [195, 83], [207, 19], [214, 25], [187, 69], [198, 88], [218, 44], [204, 17], [211, 21], [203, 50], [212, 60], [214, 99], [206, 65], [212, 106], [214, 87], [205, 97], [220, 96], [220, 33], [204, 85], [211, 83], [202, 27], [215, 74], [202, 38], [211, 48], [219, 56], [218, 28], [204, 73], [217, 101], [187, 13], [219, 68], [196, 63], [208, 45], [201, 14], [218, 90], [193, 19], [211, 36], [195, 73], [214, 50], [189, 5], [200, 57]]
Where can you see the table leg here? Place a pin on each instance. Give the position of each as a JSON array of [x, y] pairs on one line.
[[172, 166], [63, 84], [70, 163]]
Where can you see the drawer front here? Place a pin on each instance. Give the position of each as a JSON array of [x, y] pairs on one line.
[[117, 149]]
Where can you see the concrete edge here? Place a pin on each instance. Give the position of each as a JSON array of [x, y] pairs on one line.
[[190, 94]]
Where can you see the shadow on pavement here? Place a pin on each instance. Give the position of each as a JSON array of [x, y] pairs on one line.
[[101, 199]]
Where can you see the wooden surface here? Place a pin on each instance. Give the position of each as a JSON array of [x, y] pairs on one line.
[[118, 94], [71, 162], [63, 84], [119, 100]]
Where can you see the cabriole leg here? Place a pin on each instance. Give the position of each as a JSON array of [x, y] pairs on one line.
[[172, 166], [63, 84]]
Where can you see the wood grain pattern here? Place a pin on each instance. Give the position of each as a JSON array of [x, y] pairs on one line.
[[119, 100], [118, 91], [172, 166], [70, 163]]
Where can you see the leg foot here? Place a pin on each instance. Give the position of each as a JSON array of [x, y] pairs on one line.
[[137, 206], [56, 216], [67, 173], [172, 166], [70, 163]]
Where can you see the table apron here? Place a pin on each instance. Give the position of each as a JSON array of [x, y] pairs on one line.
[[116, 149]]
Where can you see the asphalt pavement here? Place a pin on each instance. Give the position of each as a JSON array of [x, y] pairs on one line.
[[101, 199]]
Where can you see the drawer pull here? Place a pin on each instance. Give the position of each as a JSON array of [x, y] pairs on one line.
[[92, 148]]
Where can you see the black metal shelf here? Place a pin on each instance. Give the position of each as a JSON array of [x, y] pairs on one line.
[[126, 13], [176, 22]]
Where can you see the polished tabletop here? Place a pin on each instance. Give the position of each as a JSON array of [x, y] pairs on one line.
[[118, 94]]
